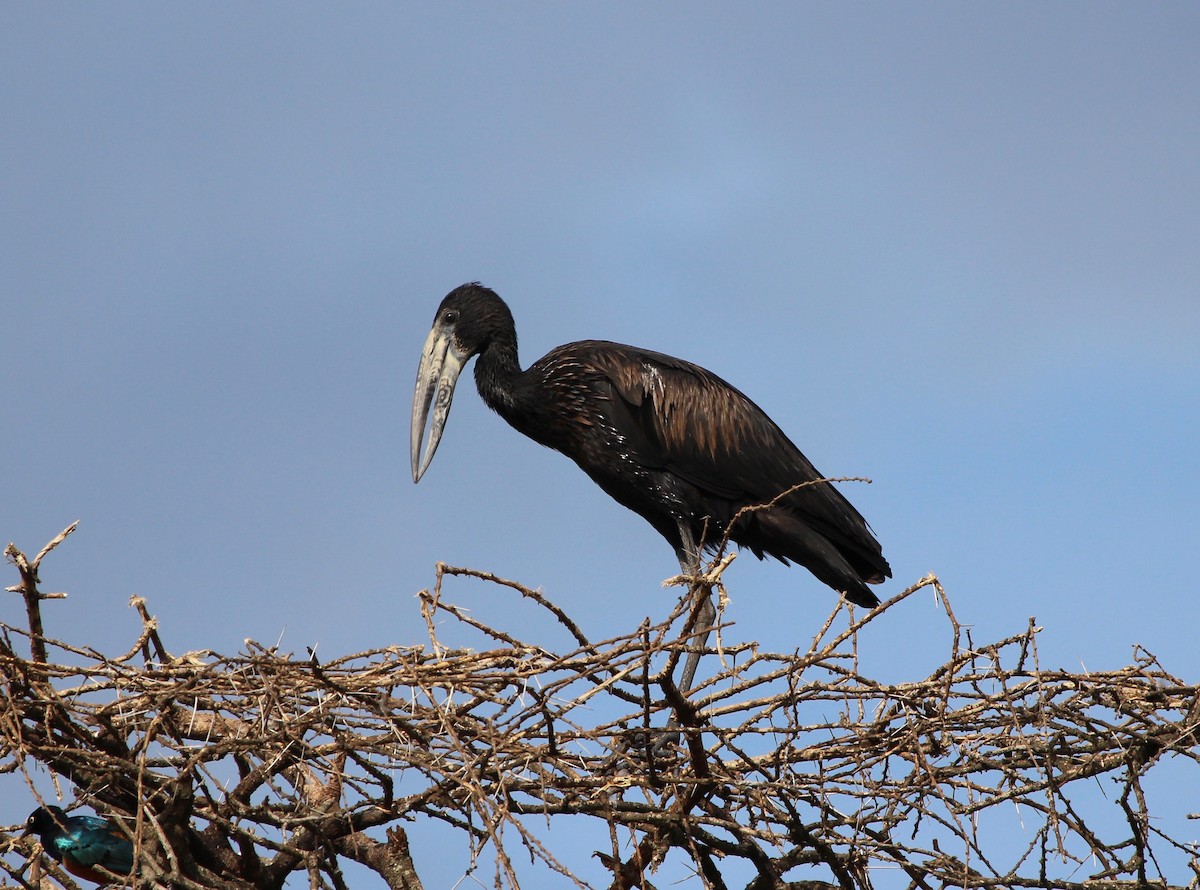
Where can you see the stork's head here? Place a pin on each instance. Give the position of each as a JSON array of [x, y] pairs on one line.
[[468, 320]]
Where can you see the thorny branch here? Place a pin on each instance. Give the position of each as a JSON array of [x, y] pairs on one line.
[[794, 771]]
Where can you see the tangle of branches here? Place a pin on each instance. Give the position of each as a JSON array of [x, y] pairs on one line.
[[781, 771]]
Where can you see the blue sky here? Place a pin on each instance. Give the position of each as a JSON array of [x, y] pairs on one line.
[[949, 247]]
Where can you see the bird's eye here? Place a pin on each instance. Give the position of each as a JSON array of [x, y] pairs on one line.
[[451, 316]]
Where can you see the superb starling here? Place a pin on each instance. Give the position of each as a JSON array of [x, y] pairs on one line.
[[81, 843]]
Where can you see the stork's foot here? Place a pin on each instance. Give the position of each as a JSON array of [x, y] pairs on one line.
[[642, 749]]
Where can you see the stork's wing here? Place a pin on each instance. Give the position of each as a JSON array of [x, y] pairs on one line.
[[689, 422]]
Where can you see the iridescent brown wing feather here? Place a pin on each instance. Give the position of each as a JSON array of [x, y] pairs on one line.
[[687, 421]]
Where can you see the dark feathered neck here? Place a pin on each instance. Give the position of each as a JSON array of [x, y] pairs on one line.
[[498, 373]]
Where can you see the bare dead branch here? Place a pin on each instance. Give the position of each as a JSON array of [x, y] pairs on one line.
[[238, 770]]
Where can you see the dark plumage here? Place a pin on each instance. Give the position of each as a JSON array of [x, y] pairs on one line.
[[671, 441], [81, 843]]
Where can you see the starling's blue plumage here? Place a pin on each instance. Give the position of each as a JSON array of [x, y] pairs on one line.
[[81, 843]]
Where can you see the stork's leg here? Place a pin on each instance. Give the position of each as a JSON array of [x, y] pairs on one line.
[[660, 744], [706, 612]]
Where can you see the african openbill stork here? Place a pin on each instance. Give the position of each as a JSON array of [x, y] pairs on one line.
[[664, 437]]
